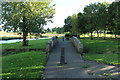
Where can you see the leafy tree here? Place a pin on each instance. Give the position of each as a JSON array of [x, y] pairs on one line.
[[60, 30], [97, 17], [74, 24], [26, 16], [89, 12], [48, 30], [54, 29], [82, 23], [104, 16], [67, 26], [114, 21]]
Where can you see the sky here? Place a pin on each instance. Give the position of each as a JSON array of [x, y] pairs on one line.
[[65, 8]]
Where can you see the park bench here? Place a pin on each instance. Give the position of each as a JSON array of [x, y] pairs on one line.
[[77, 44]]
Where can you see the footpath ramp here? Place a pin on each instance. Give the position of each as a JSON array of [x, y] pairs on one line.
[[74, 67]]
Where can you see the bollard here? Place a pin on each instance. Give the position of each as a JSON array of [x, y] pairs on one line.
[[62, 57]]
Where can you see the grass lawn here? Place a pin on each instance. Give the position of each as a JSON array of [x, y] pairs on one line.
[[100, 46], [101, 50], [106, 58], [23, 65], [34, 44]]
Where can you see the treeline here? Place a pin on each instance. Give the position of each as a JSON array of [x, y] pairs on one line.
[[58, 30], [96, 17]]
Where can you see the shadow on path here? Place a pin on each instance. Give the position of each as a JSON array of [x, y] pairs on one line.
[[74, 67]]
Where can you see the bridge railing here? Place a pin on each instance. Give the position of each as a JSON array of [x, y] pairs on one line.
[[77, 44], [50, 44]]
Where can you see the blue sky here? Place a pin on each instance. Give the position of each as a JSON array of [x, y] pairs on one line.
[[66, 8]]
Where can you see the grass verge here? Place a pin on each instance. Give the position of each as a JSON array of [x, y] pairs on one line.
[[100, 46], [23, 65], [105, 58], [33, 44], [102, 50]]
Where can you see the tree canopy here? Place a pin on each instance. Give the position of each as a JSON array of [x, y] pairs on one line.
[[95, 17], [26, 16]]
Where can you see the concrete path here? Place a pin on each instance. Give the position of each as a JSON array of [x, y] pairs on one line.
[[73, 68]]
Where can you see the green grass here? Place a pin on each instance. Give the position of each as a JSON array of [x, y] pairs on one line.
[[101, 50], [100, 46], [105, 58], [106, 74], [86, 66], [23, 65], [34, 44]]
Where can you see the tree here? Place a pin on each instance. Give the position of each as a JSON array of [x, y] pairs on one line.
[[97, 17], [58, 30], [26, 16], [82, 23], [48, 30], [114, 21], [67, 26], [89, 12], [104, 17], [74, 24]]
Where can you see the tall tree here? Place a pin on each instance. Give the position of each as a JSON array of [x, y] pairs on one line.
[[104, 16], [26, 16], [82, 24], [67, 26], [114, 21], [74, 24], [89, 12]]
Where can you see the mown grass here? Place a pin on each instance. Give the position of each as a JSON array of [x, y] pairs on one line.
[[105, 58], [106, 51], [100, 46], [23, 65], [86, 66], [33, 44]]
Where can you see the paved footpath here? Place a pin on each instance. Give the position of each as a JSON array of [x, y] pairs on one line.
[[73, 68]]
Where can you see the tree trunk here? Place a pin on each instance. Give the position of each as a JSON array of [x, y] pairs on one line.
[[104, 35], [115, 35], [84, 35], [24, 39], [78, 36], [25, 32], [100, 33], [91, 36], [97, 34], [30, 35]]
